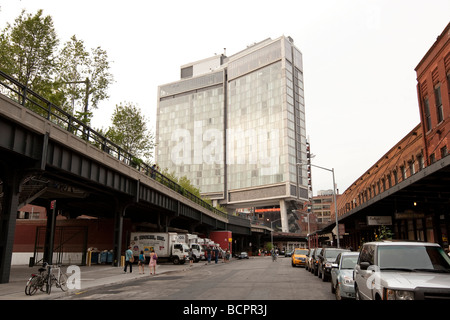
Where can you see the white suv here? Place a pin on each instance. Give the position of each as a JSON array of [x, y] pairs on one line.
[[402, 270]]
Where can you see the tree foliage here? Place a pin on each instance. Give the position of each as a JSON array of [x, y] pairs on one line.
[[129, 130], [71, 77], [28, 49]]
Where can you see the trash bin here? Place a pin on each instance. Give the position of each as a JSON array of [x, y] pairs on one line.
[[94, 257], [103, 257], [109, 258]]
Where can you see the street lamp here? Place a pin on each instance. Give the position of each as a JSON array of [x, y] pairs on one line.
[[271, 230], [334, 199], [86, 101]]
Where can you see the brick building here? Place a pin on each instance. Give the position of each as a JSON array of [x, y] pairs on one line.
[[408, 188], [433, 90]]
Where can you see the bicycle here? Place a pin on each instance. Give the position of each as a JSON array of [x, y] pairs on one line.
[[37, 281], [47, 279], [60, 281]]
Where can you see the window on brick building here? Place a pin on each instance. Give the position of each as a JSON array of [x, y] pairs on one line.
[[394, 173], [403, 170], [444, 151], [411, 168], [438, 99], [420, 161], [432, 158], [426, 106]]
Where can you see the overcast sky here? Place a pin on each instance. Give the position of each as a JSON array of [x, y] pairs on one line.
[[358, 58]]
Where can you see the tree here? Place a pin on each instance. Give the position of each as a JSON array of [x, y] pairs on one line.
[[27, 49], [84, 77], [69, 78], [129, 131]]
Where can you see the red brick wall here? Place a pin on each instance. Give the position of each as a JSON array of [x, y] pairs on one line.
[[434, 71]]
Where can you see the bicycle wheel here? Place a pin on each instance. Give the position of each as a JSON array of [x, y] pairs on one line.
[[27, 286], [63, 282], [33, 285]]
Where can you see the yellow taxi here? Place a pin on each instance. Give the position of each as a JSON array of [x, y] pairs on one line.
[[299, 257]]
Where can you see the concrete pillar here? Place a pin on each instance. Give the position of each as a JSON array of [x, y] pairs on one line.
[[8, 214], [118, 230], [283, 216]]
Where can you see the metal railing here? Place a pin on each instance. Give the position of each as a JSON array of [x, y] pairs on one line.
[[18, 92]]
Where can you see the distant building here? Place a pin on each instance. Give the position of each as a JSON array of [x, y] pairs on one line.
[[322, 205], [235, 127]]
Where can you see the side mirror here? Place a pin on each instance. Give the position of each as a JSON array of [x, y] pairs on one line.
[[364, 265]]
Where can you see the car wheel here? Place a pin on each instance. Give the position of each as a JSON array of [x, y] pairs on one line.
[[324, 277], [333, 290], [338, 292], [357, 295]]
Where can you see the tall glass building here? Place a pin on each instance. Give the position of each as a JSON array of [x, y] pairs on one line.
[[235, 126]]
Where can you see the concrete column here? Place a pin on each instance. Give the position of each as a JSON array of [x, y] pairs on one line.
[[8, 214], [118, 230], [283, 216]]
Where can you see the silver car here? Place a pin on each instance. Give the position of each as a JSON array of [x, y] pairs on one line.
[[402, 270], [342, 275]]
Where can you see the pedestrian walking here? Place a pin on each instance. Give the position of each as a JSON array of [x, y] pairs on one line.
[[141, 262], [128, 260], [153, 259], [191, 258], [216, 254], [208, 254]]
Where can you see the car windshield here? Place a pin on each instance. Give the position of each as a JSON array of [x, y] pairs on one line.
[[414, 258], [349, 262], [301, 252], [329, 254]]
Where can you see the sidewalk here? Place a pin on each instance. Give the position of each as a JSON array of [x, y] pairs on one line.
[[91, 276]]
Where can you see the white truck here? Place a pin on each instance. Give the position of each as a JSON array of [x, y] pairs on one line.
[[192, 241], [166, 245]]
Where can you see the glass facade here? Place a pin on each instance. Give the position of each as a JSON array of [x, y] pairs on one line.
[[254, 106], [254, 136], [190, 130]]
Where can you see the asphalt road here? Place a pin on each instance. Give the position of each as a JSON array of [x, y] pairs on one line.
[[250, 279]]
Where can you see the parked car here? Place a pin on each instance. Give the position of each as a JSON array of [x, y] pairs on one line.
[[315, 261], [402, 270], [299, 257], [342, 275], [326, 257], [310, 251], [242, 255], [288, 253]]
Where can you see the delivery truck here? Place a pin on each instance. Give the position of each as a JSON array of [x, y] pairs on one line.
[[166, 245], [192, 241]]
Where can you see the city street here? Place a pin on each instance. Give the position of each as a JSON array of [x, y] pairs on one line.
[[257, 278]]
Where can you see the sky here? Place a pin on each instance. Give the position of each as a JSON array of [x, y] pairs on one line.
[[359, 58]]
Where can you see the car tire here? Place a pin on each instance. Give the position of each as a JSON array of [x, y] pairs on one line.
[[357, 295], [337, 292], [324, 277], [333, 289]]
